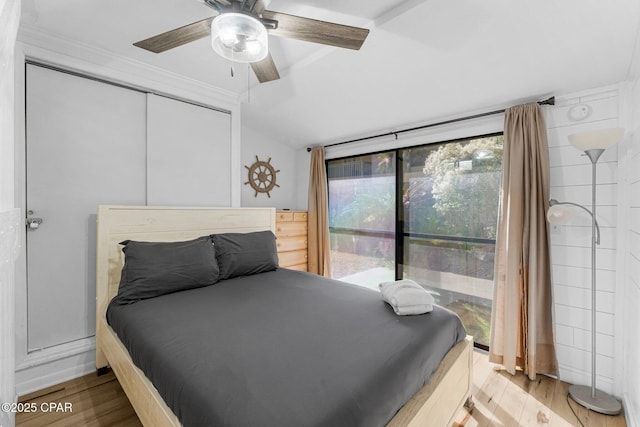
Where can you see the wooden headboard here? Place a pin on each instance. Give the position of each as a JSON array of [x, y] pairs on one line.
[[150, 223]]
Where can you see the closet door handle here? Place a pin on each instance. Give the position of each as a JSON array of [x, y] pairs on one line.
[[33, 223]]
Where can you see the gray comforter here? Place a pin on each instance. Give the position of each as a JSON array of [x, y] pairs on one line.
[[283, 349]]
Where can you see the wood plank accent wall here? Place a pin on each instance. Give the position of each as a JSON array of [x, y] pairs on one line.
[[571, 244], [631, 283], [291, 233]]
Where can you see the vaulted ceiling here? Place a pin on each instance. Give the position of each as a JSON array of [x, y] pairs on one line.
[[423, 59]]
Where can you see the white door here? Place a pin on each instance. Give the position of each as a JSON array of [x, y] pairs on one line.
[[188, 152], [85, 146]]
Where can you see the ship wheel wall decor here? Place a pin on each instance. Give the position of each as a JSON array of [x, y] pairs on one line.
[[262, 176]]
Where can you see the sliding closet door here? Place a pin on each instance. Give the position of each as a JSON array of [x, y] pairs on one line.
[[85, 146], [188, 152]]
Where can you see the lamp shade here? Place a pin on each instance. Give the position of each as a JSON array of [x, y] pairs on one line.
[[239, 37], [596, 139], [559, 214]]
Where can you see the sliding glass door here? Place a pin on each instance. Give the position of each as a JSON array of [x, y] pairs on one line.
[[449, 211], [426, 213], [362, 216]]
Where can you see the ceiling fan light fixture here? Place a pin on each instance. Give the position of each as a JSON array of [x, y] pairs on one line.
[[239, 37]]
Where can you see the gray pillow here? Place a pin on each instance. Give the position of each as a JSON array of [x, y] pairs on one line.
[[152, 269], [242, 254]]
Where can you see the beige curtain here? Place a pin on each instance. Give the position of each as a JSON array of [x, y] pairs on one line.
[[521, 321], [319, 262]]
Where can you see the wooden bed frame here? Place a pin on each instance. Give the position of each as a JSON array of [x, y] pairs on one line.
[[436, 404]]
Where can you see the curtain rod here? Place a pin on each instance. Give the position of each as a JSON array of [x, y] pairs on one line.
[[549, 101]]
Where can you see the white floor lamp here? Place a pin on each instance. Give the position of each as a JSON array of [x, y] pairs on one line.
[[593, 143]]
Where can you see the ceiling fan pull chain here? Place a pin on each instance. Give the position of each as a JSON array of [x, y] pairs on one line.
[[232, 70]]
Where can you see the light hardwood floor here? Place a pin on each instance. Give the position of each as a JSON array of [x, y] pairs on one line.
[[95, 401], [500, 400], [504, 400]]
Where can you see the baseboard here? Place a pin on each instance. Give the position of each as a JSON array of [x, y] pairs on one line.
[[55, 372], [57, 352]]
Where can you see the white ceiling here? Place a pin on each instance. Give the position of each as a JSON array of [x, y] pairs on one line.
[[423, 59]]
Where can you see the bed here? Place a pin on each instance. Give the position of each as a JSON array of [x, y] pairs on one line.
[[435, 403]]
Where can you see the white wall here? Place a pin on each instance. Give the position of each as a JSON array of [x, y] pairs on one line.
[[631, 276], [283, 158], [303, 158], [9, 216], [571, 244], [9, 20]]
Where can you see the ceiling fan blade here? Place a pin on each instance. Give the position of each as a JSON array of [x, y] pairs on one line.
[[312, 30], [215, 4], [178, 37], [265, 70], [259, 6]]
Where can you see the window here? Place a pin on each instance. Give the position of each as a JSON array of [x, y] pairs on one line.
[[362, 205], [426, 213]]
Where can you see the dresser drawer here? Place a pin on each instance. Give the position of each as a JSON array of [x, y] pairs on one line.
[[300, 216], [287, 229], [291, 243], [289, 259], [284, 216]]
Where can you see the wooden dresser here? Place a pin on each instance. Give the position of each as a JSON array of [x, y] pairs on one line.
[[291, 233]]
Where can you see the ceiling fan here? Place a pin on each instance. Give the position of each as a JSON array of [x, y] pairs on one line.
[[239, 32]]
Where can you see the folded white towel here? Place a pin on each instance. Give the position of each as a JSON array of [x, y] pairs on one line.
[[406, 297]]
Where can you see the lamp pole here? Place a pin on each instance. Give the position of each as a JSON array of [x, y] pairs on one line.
[[590, 397], [594, 155]]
